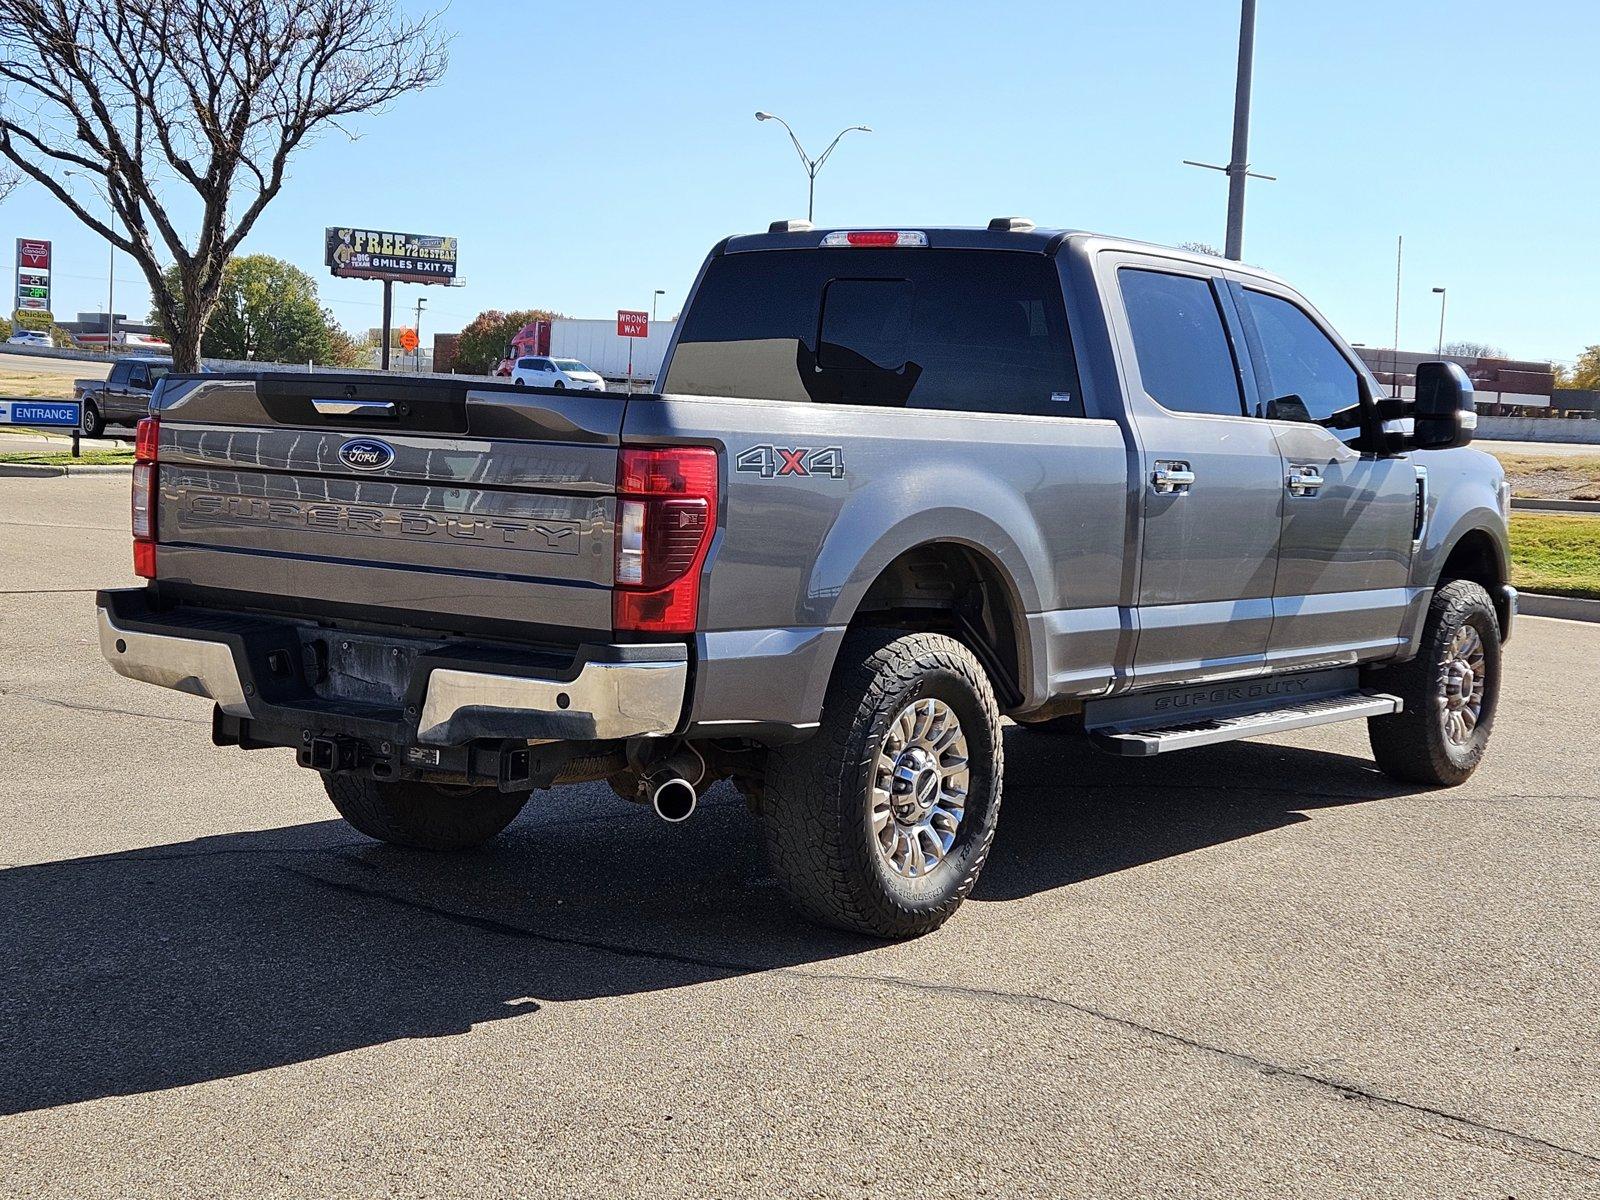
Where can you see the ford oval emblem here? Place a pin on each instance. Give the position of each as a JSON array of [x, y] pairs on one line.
[[366, 454]]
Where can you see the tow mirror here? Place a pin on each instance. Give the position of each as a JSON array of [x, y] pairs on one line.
[[1445, 413]]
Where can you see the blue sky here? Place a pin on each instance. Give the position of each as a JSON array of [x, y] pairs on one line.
[[588, 153]]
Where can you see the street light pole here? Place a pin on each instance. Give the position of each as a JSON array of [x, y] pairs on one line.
[[417, 329], [812, 165], [1443, 295], [111, 265], [1238, 168], [658, 294]]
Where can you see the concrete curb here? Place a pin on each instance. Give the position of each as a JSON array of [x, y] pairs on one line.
[[1572, 506], [51, 470], [1568, 608]]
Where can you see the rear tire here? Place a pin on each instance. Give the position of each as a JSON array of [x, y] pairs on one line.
[[1450, 690], [421, 815], [93, 423], [518, 383], [880, 822]]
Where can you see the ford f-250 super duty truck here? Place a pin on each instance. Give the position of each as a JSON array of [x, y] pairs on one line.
[[897, 484]]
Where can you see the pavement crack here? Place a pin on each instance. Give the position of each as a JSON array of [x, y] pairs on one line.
[[506, 929], [1345, 1090], [80, 706], [48, 591], [1265, 1067]]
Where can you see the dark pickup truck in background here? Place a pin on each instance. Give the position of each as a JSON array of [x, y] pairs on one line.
[[897, 484], [123, 397]]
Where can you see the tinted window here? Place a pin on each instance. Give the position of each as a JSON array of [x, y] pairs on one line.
[[524, 364], [1185, 360], [975, 330], [1307, 377]]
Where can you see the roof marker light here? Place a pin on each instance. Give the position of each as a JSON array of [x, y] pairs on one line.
[[875, 237]]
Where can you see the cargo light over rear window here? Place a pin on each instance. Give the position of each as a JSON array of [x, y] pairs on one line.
[[875, 237]]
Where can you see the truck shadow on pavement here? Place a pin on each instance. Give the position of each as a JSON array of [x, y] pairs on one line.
[[154, 968]]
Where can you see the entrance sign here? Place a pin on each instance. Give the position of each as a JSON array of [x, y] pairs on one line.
[[55, 414]]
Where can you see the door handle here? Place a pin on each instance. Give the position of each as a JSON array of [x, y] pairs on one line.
[[354, 408], [1304, 481], [1172, 478]]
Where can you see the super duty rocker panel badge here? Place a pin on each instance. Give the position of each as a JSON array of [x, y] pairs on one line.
[[366, 454], [769, 461]]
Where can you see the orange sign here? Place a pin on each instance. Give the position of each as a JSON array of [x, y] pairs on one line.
[[408, 340]]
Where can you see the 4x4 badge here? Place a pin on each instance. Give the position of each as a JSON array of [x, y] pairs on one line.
[[770, 461]]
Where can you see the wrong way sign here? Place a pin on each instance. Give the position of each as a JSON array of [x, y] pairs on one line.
[[632, 324]]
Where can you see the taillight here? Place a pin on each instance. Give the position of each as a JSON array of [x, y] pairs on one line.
[[145, 444], [666, 514]]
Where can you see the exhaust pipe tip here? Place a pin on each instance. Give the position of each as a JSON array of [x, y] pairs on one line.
[[674, 799]]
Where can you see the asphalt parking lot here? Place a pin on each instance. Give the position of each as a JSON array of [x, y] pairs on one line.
[[1260, 969]]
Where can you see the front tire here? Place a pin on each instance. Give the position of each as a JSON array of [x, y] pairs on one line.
[[421, 815], [880, 822], [1450, 690]]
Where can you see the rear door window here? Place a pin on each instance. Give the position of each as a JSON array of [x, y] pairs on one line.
[[1185, 359], [970, 330]]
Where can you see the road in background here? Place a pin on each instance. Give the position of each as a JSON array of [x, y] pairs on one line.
[[1258, 969], [1549, 449]]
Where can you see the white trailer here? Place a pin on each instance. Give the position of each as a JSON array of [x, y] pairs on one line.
[[595, 343]]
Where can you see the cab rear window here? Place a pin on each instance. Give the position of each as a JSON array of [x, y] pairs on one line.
[[972, 330]]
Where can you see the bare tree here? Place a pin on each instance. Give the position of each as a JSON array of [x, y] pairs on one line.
[[9, 180], [183, 114], [1473, 350]]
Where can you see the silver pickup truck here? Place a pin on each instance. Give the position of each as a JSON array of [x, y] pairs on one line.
[[897, 485]]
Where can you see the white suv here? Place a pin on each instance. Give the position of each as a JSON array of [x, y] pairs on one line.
[[556, 373]]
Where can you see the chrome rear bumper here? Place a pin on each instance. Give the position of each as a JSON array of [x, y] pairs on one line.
[[609, 692]]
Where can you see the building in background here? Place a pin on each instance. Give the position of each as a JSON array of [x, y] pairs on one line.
[[1505, 386], [89, 331]]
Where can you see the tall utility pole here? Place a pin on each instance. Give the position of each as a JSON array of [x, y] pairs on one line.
[[1238, 168], [1442, 293], [1394, 365]]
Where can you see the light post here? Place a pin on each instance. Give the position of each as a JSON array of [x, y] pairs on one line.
[[1238, 168], [812, 165], [1443, 296], [417, 329], [111, 264], [660, 292]]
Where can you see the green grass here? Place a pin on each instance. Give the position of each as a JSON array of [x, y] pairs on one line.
[[63, 458], [1559, 555]]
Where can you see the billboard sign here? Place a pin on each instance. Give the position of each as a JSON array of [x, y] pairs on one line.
[[32, 295], [632, 324], [401, 257]]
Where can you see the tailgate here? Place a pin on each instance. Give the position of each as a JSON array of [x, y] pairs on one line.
[[423, 503]]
